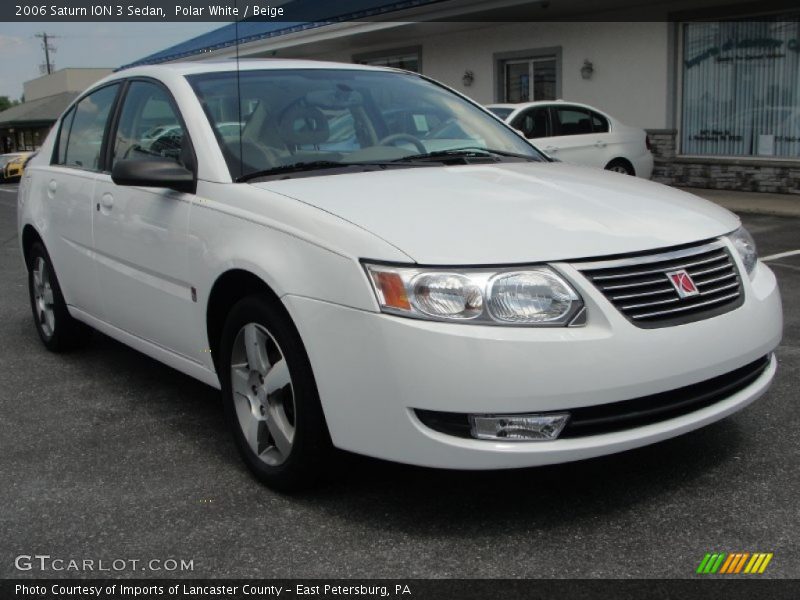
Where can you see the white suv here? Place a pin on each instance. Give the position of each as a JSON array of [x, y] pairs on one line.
[[581, 135], [371, 261]]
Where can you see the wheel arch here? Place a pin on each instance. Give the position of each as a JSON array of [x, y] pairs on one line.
[[621, 160], [230, 287], [29, 237]]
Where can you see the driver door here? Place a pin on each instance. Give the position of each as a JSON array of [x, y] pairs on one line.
[[140, 234]]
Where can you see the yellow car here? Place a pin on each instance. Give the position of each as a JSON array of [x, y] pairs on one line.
[[16, 166], [4, 160]]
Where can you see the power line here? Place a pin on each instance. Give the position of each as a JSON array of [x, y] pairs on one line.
[[48, 66]]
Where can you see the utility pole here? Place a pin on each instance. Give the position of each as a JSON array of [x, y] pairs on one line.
[[48, 48]]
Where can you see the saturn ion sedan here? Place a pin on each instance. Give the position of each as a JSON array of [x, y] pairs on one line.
[[370, 261]]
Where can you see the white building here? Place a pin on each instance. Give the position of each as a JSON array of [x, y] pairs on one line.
[[717, 88], [23, 127]]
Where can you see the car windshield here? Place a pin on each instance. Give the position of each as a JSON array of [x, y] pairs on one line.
[[274, 121], [501, 111]]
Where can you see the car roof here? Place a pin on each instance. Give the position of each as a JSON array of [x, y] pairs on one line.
[[538, 103], [521, 105], [246, 64], [527, 104]]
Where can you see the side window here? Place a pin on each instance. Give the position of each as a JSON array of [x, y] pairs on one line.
[[571, 120], [149, 125], [63, 137], [84, 140], [533, 123], [599, 123]]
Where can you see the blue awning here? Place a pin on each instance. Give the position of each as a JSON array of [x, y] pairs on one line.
[[314, 14]]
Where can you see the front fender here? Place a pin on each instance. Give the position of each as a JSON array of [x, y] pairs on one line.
[[294, 248]]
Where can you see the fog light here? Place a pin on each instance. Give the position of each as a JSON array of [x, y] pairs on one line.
[[518, 428]]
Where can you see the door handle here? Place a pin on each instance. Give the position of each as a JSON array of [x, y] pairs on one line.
[[600, 144], [551, 149], [106, 203]]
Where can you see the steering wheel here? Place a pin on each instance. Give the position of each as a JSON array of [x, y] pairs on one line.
[[403, 137]]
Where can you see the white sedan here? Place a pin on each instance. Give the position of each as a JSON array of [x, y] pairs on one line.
[[375, 263], [581, 135]]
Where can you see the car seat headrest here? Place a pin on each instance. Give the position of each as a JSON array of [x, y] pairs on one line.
[[303, 126]]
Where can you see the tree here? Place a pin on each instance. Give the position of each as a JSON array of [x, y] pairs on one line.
[[6, 103]]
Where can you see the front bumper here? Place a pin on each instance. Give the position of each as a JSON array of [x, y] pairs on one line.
[[373, 370]]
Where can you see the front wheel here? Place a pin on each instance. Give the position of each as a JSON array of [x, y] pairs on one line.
[[271, 399], [56, 328]]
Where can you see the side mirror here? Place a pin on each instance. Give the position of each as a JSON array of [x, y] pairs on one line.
[[154, 172]]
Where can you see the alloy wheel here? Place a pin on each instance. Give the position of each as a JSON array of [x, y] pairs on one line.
[[263, 394], [43, 297]]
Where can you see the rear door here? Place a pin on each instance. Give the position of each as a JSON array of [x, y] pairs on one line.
[[141, 233], [573, 139], [609, 144], [69, 187]]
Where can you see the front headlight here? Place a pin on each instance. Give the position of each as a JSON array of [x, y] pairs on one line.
[[535, 296], [746, 247]]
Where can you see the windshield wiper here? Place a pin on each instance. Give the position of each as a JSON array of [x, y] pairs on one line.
[[319, 165], [420, 159], [313, 165], [467, 152]]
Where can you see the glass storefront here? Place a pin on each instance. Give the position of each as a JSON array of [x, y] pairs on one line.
[[741, 88]]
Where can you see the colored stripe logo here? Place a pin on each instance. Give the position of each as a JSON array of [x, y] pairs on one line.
[[734, 563]]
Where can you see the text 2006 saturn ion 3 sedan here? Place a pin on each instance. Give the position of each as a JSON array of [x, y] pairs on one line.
[[362, 258]]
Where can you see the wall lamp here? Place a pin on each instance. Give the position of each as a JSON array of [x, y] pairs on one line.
[[468, 78], [587, 70]]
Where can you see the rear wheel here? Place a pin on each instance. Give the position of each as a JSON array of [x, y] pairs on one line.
[[620, 165], [271, 399], [57, 329]]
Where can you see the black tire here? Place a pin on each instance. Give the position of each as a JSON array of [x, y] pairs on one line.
[[311, 447], [620, 165], [60, 332]]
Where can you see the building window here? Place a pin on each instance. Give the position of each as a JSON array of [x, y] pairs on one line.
[[741, 88], [529, 79], [408, 59]]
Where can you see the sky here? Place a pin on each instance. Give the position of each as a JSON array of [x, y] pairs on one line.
[[83, 45]]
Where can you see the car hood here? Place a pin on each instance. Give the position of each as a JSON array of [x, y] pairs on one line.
[[511, 212]]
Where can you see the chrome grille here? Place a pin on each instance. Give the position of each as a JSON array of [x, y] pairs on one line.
[[640, 288]]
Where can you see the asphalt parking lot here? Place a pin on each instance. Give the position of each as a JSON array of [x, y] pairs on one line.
[[107, 454]]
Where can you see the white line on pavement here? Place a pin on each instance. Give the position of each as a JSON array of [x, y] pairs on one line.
[[780, 255], [9, 190]]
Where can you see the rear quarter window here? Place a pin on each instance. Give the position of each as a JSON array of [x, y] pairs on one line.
[[599, 123]]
